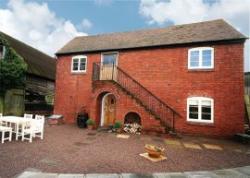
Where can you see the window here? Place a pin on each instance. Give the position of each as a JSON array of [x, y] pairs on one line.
[[2, 51], [79, 64], [200, 109], [109, 58], [201, 58]]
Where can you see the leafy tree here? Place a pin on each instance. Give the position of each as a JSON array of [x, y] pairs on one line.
[[12, 69]]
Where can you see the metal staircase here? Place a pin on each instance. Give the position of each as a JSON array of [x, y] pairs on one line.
[[142, 95]]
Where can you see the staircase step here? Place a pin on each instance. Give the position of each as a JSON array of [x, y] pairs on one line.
[[104, 128]]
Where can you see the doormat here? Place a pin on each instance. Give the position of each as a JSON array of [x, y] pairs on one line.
[[161, 158], [122, 136]]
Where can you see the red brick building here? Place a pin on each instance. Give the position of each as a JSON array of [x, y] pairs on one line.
[[187, 77]]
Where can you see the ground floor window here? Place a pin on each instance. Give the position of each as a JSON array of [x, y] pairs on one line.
[[200, 109]]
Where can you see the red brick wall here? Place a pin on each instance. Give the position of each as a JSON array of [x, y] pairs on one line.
[[164, 72]]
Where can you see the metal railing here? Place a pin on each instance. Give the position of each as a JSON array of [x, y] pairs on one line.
[[147, 99]]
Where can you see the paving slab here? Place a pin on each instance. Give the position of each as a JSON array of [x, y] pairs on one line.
[[71, 176], [228, 173], [175, 143], [201, 174], [238, 150], [244, 170], [212, 147], [169, 175], [28, 174], [192, 146], [137, 176], [102, 176], [248, 152], [48, 162]]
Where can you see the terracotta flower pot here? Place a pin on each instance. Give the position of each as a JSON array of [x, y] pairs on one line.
[[90, 127], [119, 130], [154, 151]]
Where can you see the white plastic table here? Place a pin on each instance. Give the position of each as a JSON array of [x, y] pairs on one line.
[[19, 122]]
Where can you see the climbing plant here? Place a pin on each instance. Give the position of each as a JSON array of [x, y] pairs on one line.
[[12, 69]]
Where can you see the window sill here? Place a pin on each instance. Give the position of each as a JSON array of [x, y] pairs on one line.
[[201, 70], [200, 123], [78, 73]]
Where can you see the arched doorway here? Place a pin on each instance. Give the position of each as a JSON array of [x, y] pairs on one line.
[[132, 117], [108, 110]]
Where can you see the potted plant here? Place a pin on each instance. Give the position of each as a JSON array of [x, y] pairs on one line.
[[90, 124], [154, 151], [118, 126]]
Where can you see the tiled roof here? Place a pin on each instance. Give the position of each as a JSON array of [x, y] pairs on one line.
[[38, 63], [216, 30]]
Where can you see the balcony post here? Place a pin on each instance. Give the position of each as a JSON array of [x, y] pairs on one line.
[[113, 67]]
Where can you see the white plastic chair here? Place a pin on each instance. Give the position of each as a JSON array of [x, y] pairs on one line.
[[3, 123], [4, 129], [28, 116], [27, 131], [38, 124], [34, 129]]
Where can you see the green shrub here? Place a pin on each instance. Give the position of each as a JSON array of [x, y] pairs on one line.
[[90, 122], [117, 125], [12, 69]]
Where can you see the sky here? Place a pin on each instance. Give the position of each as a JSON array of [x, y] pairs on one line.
[[48, 25]]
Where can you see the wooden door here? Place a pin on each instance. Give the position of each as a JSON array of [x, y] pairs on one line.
[[14, 102], [109, 110], [108, 67]]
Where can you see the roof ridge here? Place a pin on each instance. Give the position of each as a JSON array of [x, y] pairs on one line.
[[39, 63], [147, 29], [26, 44]]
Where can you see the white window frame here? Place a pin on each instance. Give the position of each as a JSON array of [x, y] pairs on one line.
[[200, 99], [79, 57], [4, 50], [200, 49]]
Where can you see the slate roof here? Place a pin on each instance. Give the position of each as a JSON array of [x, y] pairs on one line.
[[38, 63], [216, 30]]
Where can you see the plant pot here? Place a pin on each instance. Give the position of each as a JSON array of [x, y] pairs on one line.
[[154, 151], [90, 127], [119, 130]]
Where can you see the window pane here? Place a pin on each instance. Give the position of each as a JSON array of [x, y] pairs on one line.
[[193, 111], [109, 59], [206, 102], [83, 64], [194, 58], [206, 58], [75, 64], [193, 102], [206, 113]]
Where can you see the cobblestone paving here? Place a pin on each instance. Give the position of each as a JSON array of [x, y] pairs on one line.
[[68, 149]]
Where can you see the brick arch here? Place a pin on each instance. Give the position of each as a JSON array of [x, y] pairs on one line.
[[124, 105], [99, 91], [132, 117]]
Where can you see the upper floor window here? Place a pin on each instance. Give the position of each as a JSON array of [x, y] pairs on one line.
[[201, 58], [109, 58], [200, 109], [79, 64], [2, 51]]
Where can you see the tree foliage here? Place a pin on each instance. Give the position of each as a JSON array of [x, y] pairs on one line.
[[12, 69]]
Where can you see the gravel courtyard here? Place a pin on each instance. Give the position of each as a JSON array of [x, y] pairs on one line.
[[67, 149]]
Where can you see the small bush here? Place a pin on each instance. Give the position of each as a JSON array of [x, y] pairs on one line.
[[90, 122], [117, 125]]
